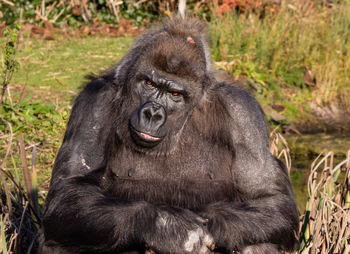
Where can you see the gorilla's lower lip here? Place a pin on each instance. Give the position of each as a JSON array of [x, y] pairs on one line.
[[147, 136], [144, 139]]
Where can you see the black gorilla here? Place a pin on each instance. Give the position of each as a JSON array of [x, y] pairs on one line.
[[158, 155]]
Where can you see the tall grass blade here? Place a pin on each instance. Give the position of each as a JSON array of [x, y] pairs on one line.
[[27, 178], [3, 236], [35, 181]]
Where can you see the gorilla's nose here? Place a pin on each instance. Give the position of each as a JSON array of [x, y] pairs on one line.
[[153, 113]]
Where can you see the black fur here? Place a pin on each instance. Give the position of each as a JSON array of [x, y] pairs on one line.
[[158, 155]]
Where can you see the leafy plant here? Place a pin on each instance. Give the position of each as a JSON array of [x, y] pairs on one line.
[[9, 52], [26, 116]]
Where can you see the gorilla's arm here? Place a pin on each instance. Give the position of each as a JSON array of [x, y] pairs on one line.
[[93, 221], [267, 212], [84, 141]]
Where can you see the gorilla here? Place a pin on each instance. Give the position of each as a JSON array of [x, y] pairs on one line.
[[159, 156]]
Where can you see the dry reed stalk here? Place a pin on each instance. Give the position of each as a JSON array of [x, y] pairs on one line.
[[19, 218], [279, 147], [326, 224], [26, 174]]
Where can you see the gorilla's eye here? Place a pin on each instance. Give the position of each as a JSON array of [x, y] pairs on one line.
[[149, 83], [175, 94]]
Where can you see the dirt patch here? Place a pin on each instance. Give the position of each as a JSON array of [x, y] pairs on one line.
[[48, 32]]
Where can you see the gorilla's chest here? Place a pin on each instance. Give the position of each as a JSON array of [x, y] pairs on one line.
[[191, 176]]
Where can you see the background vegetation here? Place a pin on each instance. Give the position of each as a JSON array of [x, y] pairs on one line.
[[298, 55], [77, 13], [292, 55]]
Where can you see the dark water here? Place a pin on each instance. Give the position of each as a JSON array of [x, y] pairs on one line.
[[304, 150]]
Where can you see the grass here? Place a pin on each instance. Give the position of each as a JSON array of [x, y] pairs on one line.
[[276, 50], [59, 66]]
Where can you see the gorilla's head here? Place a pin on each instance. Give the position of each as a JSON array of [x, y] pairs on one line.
[[165, 82]]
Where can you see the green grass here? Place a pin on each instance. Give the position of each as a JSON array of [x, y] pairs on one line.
[[276, 50], [300, 188], [48, 67]]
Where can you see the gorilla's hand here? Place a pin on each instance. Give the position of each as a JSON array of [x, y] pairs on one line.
[[179, 231]]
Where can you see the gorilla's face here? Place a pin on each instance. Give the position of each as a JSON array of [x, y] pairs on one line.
[[164, 104], [163, 87]]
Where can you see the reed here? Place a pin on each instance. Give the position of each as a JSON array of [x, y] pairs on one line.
[[325, 225], [19, 209]]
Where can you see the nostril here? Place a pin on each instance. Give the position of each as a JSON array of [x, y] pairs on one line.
[[157, 117], [153, 114], [148, 114]]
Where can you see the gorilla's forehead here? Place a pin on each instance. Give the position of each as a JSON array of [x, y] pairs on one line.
[[174, 82], [178, 56]]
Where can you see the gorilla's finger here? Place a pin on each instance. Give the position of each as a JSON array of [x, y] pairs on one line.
[[204, 250], [208, 241], [202, 220]]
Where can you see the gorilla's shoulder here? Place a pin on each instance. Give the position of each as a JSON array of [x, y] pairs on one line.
[[237, 100], [95, 84], [242, 113], [97, 88]]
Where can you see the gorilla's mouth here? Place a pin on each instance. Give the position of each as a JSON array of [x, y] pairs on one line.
[[144, 139]]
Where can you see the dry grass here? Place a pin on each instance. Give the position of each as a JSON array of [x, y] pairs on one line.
[[326, 222], [325, 225]]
